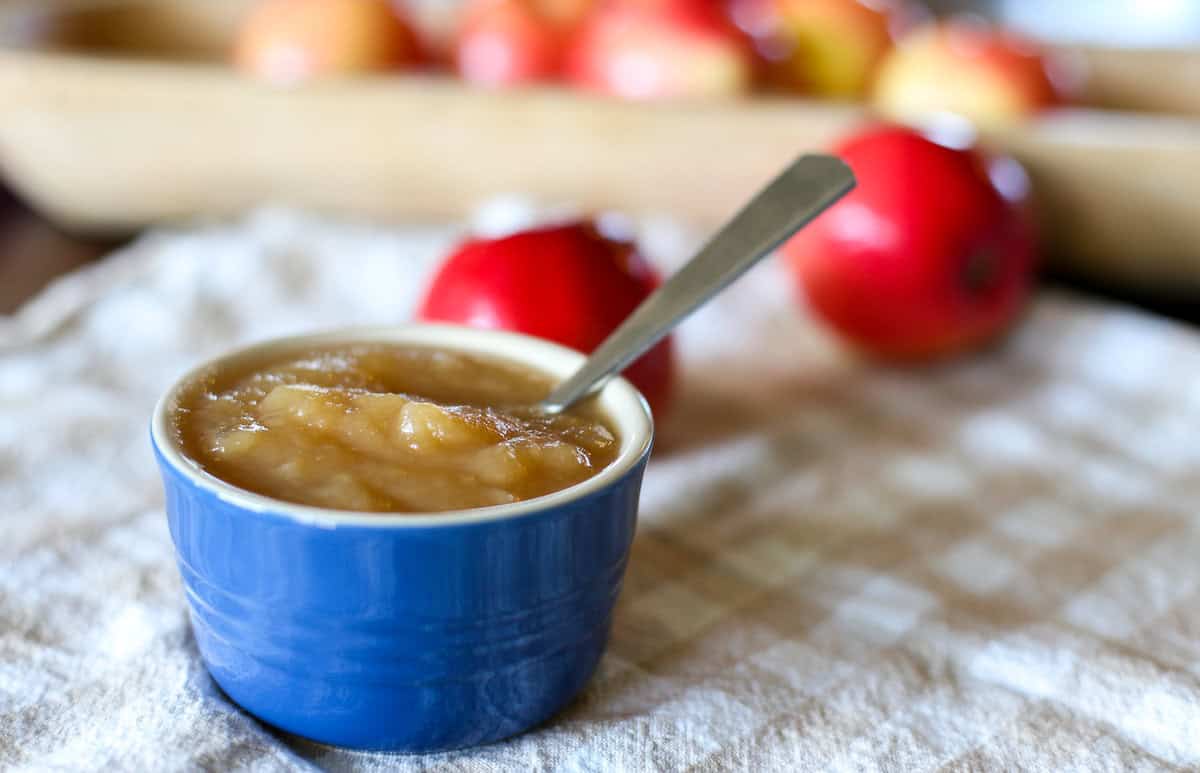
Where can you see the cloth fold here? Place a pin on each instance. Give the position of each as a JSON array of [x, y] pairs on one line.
[[989, 564]]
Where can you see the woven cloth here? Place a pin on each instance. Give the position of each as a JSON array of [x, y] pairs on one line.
[[988, 565]]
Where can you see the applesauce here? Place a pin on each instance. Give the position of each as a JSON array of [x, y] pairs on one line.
[[387, 428]]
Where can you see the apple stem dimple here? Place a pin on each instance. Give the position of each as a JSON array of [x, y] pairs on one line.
[[980, 271]]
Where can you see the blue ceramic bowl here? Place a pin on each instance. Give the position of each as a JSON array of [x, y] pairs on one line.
[[406, 632]]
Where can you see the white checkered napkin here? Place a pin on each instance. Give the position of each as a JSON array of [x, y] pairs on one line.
[[987, 565]]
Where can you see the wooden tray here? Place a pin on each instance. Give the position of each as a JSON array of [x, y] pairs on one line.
[[164, 132]]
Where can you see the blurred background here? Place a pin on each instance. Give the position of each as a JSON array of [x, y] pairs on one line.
[[1157, 23], [120, 116]]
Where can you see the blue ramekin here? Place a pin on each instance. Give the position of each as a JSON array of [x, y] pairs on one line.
[[406, 632]]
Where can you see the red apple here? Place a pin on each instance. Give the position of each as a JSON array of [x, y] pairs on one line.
[[660, 49], [508, 42], [565, 283], [826, 48], [932, 253], [981, 73], [293, 40]]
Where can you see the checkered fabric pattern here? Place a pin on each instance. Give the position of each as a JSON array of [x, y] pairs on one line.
[[987, 565]]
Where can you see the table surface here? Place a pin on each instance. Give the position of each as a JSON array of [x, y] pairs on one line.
[[984, 566], [33, 252]]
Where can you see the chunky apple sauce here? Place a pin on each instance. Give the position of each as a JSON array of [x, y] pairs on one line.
[[388, 428]]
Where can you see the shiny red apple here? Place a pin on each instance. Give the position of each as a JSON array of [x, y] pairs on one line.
[[510, 42], [980, 72], [295, 40], [661, 49], [566, 283], [932, 253]]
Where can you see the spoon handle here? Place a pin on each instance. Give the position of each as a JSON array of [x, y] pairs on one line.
[[804, 190]]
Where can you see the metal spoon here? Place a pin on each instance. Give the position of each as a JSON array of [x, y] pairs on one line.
[[804, 190]]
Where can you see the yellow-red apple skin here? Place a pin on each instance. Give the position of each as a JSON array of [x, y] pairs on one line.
[[296, 40], [983, 74]]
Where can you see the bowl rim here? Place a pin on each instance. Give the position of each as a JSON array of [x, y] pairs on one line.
[[621, 401]]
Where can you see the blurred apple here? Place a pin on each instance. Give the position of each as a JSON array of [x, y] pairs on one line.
[[932, 253], [508, 42], [979, 72], [567, 284], [826, 48], [294, 40], [435, 23], [661, 49]]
